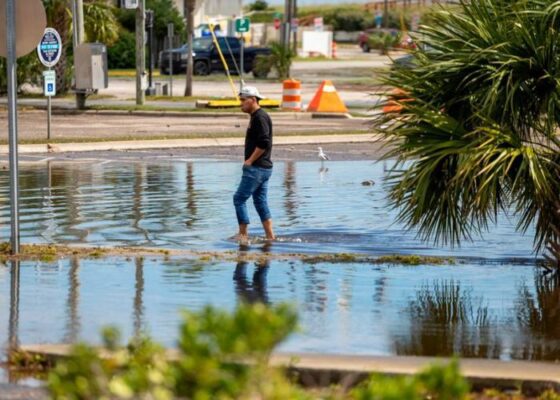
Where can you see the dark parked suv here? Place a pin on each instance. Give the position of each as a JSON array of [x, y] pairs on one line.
[[206, 58]]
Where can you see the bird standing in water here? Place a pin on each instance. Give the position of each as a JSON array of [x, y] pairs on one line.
[[322, 155]]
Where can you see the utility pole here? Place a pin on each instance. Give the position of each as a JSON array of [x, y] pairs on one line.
[[140, 51], [11, 68], [294, 16], [189, 13], [287, 24], [386, 14], [77, 39]]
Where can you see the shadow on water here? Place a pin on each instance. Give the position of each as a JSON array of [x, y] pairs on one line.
[[538, 314], [445, 319]]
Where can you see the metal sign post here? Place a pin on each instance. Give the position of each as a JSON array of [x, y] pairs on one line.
[[170, 28], [12, 121], [21, 27], [49, 50], [241, 26]]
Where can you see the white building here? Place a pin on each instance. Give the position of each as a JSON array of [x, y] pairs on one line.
[[212, 10]]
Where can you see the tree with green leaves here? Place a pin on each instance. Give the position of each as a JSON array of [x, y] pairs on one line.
[[100, 26], [477, 135], [258, 5]]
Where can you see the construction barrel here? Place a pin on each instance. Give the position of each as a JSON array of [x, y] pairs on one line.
[[291, 95]]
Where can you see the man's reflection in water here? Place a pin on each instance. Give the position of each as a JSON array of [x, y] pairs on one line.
[[255, 291]]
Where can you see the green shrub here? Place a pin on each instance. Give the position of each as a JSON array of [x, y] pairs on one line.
[[258, 5], [384, 41], [123, 53], [224, 356], [437, 382], [262, 17], [347, 19], [280, 59]]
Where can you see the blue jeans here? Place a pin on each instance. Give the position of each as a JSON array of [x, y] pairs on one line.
[[254, 182]]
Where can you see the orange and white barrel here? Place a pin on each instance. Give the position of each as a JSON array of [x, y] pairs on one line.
[[291, 95], [333, 49]]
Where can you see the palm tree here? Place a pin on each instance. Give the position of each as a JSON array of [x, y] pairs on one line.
[[477, 133]]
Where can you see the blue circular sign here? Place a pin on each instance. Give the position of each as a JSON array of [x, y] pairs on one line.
[[49, 48]]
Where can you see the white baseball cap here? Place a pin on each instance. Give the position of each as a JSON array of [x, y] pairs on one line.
[[250, 91]]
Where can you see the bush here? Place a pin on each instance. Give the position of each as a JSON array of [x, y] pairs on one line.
[[258, 5], [384, 41], [29, 70], [123, 53], [279, 59], [224, 356], [347, 20]]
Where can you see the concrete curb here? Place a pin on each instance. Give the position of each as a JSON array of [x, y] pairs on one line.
[[180, 143], [194, 114], [323, 369]]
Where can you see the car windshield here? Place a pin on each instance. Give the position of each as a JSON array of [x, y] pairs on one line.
[[202, 44]]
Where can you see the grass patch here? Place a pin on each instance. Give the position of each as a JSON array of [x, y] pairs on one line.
[[23, 360], [414, 260]]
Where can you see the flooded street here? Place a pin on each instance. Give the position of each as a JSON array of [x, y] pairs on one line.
[[187, 204], [492, 303], [476, 310]]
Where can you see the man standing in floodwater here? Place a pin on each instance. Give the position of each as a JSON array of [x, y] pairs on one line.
[[257, 167]]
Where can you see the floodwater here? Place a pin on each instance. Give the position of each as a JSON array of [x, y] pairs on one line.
[[475, 310], [493, 303], [188, 205]]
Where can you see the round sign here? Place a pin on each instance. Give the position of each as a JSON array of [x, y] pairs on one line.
[[49, 48]]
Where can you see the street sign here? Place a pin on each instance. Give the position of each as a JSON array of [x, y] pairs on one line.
[[242, 25], [294, 25], [318, 24], [49, 80], [49, 48], [129, 4]]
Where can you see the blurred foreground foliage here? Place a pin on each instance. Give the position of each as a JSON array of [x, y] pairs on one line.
[[223, 356]]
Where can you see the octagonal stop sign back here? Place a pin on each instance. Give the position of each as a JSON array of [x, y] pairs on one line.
[[31, 21]]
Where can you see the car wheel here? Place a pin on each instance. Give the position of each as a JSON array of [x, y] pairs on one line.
[[163, 71], [201, 68], [365, 48]]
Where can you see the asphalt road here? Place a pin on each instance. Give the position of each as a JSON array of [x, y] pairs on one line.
[[32, 125]]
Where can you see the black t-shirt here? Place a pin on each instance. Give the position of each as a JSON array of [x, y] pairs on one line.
[[259, 134]]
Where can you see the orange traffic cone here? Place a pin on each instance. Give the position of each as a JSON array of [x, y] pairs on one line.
[[327, 100]]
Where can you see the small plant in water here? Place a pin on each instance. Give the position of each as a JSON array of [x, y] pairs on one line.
[[5, 248]]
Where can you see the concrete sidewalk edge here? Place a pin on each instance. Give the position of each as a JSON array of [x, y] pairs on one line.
[[532, 377]]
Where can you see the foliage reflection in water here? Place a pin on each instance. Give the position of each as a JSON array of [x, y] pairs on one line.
[[343, 308]]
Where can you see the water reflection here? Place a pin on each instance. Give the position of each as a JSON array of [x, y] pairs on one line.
[[13, 326], [73, 301], [290, 196], [256, 290], [445, 319], [188, 204], [538, 313], [192, 195], [138, 312]]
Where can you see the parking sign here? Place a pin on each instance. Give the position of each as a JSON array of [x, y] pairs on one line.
[[49, 81], [242, 25]]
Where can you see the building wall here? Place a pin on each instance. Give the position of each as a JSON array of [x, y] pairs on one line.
[[212, 9]]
